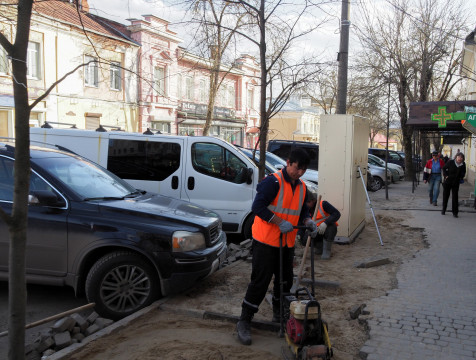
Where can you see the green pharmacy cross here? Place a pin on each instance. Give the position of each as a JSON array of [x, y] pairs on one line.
[[442, 116]]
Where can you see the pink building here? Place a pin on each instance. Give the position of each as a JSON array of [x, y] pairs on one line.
[[174, 86]]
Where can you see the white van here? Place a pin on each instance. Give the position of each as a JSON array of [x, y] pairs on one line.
[[203, 170]]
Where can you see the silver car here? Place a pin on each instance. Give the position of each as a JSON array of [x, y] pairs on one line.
[[397, 171], [378, 174]]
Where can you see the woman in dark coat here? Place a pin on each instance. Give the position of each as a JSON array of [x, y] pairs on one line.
[[453, 174]]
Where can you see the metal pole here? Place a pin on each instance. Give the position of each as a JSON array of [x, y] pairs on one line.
[[388, 126], [370, 205], [342, 57]]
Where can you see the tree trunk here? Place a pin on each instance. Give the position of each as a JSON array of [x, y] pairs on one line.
[[262, 106], [19, 220]]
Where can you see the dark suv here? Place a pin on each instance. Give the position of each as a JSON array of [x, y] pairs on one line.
[[91, 230], [282, 148], [393, 156]]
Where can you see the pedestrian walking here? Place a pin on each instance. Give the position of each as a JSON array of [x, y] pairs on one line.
[[432, 176], [279, 205], [454, 172]]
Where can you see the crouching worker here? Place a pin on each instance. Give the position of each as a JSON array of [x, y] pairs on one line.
[[326, 221], [279, 205]]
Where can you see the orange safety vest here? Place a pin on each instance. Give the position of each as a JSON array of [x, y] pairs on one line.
[[322, 215], [287, 205]]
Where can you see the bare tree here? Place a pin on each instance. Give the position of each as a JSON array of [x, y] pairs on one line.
[[19, 13], [217, 22], [275, 27], [412, 45]]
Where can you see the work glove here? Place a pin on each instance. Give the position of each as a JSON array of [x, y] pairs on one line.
[[285, 227], [322, 228], [311, 225]]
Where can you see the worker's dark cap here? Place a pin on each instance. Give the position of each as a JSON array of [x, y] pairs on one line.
[[434, 153]]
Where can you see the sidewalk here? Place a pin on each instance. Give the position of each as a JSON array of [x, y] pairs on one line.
[[432, 312]]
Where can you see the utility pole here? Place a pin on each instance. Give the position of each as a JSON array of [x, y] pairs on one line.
[[342, 58]]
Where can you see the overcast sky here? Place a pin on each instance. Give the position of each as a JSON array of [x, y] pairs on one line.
[[325, 41]]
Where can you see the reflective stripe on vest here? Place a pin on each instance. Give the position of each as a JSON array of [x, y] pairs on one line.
[[322, 215], [287, 205], [278, 208]]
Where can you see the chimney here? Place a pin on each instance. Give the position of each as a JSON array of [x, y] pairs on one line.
[[83, 5]]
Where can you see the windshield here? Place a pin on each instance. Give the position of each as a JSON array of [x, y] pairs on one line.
[[86, 179]]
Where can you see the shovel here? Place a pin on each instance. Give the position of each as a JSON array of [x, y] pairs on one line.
[[297, 281]]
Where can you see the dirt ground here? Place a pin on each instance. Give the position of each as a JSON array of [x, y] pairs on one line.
[[172, 332]]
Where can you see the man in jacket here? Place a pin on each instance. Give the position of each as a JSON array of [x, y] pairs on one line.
[[454, 172], [279, 205], [326, 222], [432, 175]]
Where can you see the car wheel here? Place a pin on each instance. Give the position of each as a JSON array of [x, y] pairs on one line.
[[120, 283], [378, 183], [247, 227]]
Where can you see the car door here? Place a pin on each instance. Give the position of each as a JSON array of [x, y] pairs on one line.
[[46, 250], [216, 178], [149, 164]]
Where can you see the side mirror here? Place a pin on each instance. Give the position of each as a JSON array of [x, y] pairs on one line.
[[249, 177], [45, 198]]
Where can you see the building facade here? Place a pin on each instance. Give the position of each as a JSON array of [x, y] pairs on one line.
[[101, 91], [174, 87]]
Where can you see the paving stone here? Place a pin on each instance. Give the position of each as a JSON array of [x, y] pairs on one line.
[[66, 323], [62, 340], [91, 330]]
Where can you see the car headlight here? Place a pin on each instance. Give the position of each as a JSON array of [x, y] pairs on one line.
[[187, 241]]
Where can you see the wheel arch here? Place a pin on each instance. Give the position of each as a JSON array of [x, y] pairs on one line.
[[93, 255]]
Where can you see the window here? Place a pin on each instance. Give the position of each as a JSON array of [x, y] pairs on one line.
[[159, 81], [162, 126], [179, 86], [216, 161], [231, 96], [250, 99], [33, 60], [3, 61], [7, 180], [189, 88], [143, 160], [115, 74], [203, 91], [91, 73]]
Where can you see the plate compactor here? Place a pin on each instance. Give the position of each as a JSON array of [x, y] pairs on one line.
[[305, 332]]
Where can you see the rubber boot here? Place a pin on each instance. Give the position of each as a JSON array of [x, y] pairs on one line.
[[243, 326], [276, 311], [318, 246], [326, 250]]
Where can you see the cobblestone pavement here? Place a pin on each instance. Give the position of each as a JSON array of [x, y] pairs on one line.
[[432, 312]]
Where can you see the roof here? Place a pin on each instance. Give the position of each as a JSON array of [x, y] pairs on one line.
[[66, 12], [295, 106]]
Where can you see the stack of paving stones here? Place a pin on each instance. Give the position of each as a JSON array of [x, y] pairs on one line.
[[66, 331], [241, 251]]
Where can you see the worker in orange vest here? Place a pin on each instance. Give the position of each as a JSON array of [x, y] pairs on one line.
[[279, 206], [326, 221]]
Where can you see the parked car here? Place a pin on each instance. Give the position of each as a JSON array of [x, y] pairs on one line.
[[91, 230], [204, 170], [269, 169], [393, 156], [282, 148], [397, 171], [416, 159], [378, 174], [372, 185], [279, 163]]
